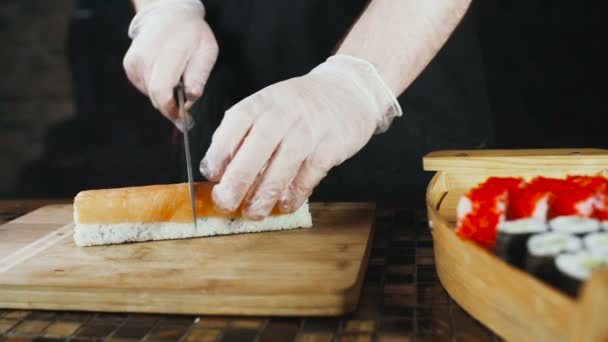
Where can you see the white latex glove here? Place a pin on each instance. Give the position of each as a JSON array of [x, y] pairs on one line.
[[170, 39], [277, 144]]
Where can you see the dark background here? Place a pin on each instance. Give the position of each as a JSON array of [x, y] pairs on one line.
[[70, 120]]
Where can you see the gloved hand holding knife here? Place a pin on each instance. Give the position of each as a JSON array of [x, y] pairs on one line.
[[171, 40], [275, 146]]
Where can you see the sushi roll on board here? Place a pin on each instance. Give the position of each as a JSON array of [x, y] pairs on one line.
[[542, 249], [574, 268]]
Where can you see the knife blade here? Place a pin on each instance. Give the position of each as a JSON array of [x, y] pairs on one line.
[[181, 100]]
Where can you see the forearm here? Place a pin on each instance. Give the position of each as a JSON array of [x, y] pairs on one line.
[[401, 37]]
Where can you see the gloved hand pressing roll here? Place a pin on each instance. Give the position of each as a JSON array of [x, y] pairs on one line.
[[276, 145], [170, 39]]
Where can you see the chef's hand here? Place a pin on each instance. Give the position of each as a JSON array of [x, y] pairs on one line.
[[170, 39], [276, 145]]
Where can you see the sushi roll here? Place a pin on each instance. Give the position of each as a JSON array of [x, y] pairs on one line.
[[513, 236], [571, 200], [547, 184], [528, 206], [574, 268], [489, 195], [577, 225], [541, 250], [597, 244], [530, 201], [483, 209], [601, 208], [591, 182], [597, 185], [574, 208]]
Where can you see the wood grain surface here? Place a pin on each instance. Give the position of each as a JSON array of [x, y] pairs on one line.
[[498, 162], [314, 271]]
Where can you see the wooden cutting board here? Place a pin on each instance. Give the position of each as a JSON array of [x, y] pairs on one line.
[[309, 271]]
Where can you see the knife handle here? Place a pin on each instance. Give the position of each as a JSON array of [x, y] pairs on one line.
[[179, 89]]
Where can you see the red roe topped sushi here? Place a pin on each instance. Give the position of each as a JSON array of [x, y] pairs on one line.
[[495, 186], [592, 182], [577, 196], [484, 208], [480, 228], [597, 187], [529, 202], [601, 207], [501, 200]]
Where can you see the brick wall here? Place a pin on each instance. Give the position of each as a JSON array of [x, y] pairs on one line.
[[35, 86]]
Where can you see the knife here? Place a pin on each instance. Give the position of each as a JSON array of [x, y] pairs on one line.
[[181, 100]]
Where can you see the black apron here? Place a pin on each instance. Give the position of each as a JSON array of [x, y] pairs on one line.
[[265, 41]]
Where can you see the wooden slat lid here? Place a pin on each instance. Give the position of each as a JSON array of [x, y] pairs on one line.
[[590, 159]]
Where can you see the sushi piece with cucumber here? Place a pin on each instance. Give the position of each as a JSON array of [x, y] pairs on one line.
[[597, 244], [528, 206], [542, 249], [575, 224], [573, 269]]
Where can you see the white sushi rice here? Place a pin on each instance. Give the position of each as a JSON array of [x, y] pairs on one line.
[[578, 265], [585, 208], [465, 206], [552, 243], [605, 225], [523, 226], [117, 233], [597, 244], [542, 208], [574, 224]]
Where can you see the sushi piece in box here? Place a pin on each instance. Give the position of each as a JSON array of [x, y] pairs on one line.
[[574, 224], [542, 249], [526, 215], [539, 226], [597, 244], [483, 209], [576, 205], [574, 268]]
